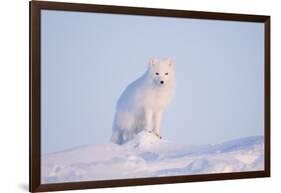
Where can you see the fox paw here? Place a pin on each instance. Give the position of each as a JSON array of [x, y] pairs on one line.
[[158, 135]]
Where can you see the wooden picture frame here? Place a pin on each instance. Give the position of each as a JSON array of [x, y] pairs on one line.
[[35, 94]]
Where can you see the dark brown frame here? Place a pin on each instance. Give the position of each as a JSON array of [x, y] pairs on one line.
[[34, 142]]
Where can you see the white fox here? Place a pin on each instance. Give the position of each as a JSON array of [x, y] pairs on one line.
[[141, 105]]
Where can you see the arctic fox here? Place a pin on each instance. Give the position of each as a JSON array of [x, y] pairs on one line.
[[141, 105]]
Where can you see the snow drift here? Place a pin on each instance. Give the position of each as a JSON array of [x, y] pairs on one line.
[[148, 156]]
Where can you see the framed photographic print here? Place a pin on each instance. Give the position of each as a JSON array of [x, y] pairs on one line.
[[123, 96]]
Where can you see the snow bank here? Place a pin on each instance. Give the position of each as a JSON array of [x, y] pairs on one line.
[[148, 156]]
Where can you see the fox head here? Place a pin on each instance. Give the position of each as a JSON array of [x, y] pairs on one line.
[[161, 71]]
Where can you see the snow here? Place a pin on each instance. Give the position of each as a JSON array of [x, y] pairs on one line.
[[148, 156]]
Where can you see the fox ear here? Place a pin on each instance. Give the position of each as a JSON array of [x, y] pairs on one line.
[[152, 61], [171, 62]]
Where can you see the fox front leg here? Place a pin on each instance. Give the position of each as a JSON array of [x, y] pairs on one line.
[[148, 120], [157, 120]]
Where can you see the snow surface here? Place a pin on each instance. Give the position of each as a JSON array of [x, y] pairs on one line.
[[148, 156]]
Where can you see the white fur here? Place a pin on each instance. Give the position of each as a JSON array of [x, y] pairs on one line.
[[141, 105]]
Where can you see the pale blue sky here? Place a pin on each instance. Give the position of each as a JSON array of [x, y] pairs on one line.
[[88, 59]]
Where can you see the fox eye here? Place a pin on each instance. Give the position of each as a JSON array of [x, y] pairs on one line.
[[157, 73], [166, 73]]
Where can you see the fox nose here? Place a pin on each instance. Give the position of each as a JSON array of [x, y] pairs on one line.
[[161, 82]]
